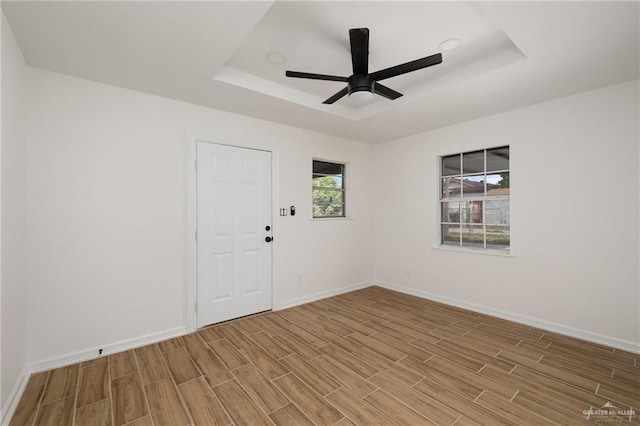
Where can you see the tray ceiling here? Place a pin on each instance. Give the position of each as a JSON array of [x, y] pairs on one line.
[[233, 55]]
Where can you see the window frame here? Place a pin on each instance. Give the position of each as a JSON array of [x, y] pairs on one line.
[[342, 189], [467, 246]]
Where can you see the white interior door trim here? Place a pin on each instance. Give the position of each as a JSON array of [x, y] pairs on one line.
[[192, 250]]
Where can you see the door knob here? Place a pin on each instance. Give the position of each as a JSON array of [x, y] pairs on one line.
[[268, 239]]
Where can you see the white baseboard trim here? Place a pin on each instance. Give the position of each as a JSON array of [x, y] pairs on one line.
[[79, 356], [14, 397], [322, 295], [522, 319], [93, 353]]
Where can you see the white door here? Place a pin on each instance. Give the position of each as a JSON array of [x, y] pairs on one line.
[[233, 232]]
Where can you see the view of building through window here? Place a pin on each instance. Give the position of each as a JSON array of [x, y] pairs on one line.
[[474, 199]]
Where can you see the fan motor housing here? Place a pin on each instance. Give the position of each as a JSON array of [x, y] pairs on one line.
[[360, 83]]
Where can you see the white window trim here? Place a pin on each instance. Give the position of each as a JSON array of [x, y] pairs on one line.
[[348, 205], [437, 244], [472, 250]]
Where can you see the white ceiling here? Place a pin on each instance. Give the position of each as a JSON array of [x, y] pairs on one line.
[[215, 54]]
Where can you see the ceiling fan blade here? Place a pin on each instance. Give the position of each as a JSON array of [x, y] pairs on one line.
[[313, 76], [337, 96], [384, 91], [359, 38], [407, 67]]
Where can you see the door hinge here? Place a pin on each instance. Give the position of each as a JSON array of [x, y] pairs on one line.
[[195, 165], [195, 235], [195, 305]]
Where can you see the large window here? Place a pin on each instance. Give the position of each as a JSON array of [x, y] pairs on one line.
[[328, 189], [474, 199]]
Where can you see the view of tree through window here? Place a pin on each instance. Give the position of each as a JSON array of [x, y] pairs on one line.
[[474, 199], [328, 189]]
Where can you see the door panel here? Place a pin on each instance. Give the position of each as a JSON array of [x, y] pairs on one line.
[[233, 209]]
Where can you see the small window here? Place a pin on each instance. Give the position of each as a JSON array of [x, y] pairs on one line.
[[474, 199], [328, 189]]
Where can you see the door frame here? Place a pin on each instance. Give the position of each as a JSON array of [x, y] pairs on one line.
[[192, 246]]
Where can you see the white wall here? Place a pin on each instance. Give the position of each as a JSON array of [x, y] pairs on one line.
[[574, 212], [107, 209], [106, 214], [13, 212]]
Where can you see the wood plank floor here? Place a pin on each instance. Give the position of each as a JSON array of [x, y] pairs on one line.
[[367, 357]]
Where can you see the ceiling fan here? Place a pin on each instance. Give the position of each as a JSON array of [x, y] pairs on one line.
[[362, 83]]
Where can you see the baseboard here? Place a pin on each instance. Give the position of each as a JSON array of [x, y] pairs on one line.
[[79, 356], [522, 319], [323, 295], [93, 353], [14, 397]]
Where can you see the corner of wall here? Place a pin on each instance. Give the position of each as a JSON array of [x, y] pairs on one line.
[[9, 406], [12, 220]]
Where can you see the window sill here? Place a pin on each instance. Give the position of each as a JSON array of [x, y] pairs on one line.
[[487, 252], [322, 219]]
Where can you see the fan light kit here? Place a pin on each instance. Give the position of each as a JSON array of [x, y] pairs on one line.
[[361, 83], [361, 96]]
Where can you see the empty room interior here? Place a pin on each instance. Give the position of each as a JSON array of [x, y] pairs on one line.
[[300, 213]]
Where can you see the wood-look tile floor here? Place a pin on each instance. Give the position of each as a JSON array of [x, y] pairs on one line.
[[368, 357]]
